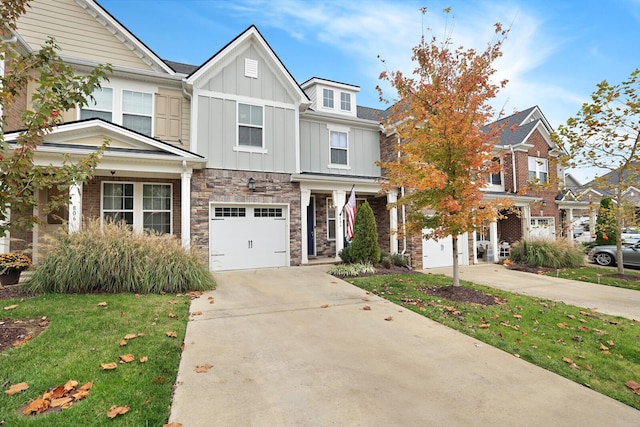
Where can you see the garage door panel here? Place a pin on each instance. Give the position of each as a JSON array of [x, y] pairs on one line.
[[257, 238], [438, 252]]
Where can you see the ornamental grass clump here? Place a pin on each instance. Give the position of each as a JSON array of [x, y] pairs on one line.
[[12, 262], [547, 253], [113, 258]]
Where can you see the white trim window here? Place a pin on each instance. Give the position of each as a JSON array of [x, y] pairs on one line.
[[137, 111], [144, 206], [99, 105], [327, 98], [331, 219], [339, 148], [250, 125], [345, 101], [538, 169], [130, 109]]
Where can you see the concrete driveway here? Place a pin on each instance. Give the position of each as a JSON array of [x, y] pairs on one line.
[[295, 347]]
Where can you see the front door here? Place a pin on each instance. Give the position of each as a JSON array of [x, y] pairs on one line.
[[311, 227]]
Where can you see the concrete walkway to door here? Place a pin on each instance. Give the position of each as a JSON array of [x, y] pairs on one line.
[[295, 347]]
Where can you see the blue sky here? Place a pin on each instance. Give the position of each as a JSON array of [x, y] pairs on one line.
[[556, 52]]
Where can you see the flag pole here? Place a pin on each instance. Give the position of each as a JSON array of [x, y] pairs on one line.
[[345, 205]]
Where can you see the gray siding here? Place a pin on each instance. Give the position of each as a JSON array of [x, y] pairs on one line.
[[364, 150], [217, 137], [231, 79]]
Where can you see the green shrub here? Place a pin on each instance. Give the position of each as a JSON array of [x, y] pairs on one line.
[[345, 255], [364, 247], [606, 223], [547, 253], [399, 260], [113, 258], [351, 270]]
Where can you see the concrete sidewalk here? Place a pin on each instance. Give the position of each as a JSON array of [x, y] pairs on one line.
[[604, 299], [295, 347]]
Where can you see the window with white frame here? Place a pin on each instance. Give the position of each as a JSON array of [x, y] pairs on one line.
[[137, 109], [538, 169], [327, 98], [99, 105], [339, 148], [250, 125], [131, 109], [495, 178], [331, 219], [144, 206], [345, 101]]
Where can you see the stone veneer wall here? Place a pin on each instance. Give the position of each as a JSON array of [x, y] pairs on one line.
[[230, 186], [324, 247], [381, 214]]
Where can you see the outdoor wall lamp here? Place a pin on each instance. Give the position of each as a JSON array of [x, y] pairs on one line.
[[251, 184]]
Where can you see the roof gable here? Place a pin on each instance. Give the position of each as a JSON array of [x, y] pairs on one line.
[[246, 40], [518, 127], [85, 31]]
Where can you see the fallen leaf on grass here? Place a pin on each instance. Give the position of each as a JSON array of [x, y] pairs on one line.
[[173, 301], [123, 343], [130, 336], [114, 411], [634, 386], [171, 334], [126, 358], [70, 385], [173, 425], [17, 388], [604, 348], [173, 316], [38, 406], [102, 304], [518, 316], [484, 326], [567, 360], [563, 325], [159, 380], [144, 359], [109, 366], [611, 343], [61, 402], [11, 307], [203, 368]]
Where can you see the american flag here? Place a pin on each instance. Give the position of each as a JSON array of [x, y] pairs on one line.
[[350, 208]]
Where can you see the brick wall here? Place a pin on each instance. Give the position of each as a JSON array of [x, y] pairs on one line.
[[230, 186], [324, 247], [381, 214]]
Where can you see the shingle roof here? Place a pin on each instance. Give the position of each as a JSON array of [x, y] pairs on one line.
[[180, 67], [514, 132], [374, 114]]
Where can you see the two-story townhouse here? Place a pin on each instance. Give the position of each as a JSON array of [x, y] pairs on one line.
[[233, 156], [528, 155]]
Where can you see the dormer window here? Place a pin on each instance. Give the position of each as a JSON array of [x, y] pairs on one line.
[[327, 98], [345, 101]]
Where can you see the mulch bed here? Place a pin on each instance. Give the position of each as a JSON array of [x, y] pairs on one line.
[[15, 332]]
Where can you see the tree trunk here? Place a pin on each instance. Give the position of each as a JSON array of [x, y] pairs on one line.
[[619, 220], [456, 267]]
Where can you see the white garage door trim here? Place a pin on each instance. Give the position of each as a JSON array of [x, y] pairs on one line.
[[246, 236], [438, 252]]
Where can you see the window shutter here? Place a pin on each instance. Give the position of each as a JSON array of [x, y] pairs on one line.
[[168, 117]]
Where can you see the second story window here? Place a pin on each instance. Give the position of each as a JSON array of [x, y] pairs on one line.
[[495, 178], [339, 148], [250, 125], [327, 98], [345, 101], [101, 106], [136, 111], [538, 169]]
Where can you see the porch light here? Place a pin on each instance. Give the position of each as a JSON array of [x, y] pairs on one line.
[[251, 184]]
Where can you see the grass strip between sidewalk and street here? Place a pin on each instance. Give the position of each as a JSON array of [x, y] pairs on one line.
[[592, 349], [84, 332], [600, 275]]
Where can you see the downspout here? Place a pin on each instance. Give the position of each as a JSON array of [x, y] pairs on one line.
[[513, 166], [404, 217]]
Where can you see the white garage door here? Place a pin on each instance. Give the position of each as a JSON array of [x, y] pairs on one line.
[[438, 253], [248, 236], [542, 228]]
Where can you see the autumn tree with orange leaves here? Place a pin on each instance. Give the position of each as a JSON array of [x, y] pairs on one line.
[[445, 157]]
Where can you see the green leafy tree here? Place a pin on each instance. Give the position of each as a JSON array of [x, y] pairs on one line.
[[605, 134], [364, 247], [57, 88], [445, 156], [606, 223]]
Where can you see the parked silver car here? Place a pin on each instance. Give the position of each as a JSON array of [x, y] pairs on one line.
[[606, 255]]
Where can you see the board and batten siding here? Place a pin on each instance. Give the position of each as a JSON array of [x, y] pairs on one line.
[[77, 33], [363, 151], [218, 132], [231, 79]]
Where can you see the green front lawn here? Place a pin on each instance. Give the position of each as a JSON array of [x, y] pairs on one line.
[[600, 275], [598, 351], [82, 335]]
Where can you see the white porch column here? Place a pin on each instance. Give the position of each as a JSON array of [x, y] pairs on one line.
[[185, 208], [392, 197], [570, 236], [526, 221], [4, 240], [75, 207], [305, 198], [339, 202], [493, 239]]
